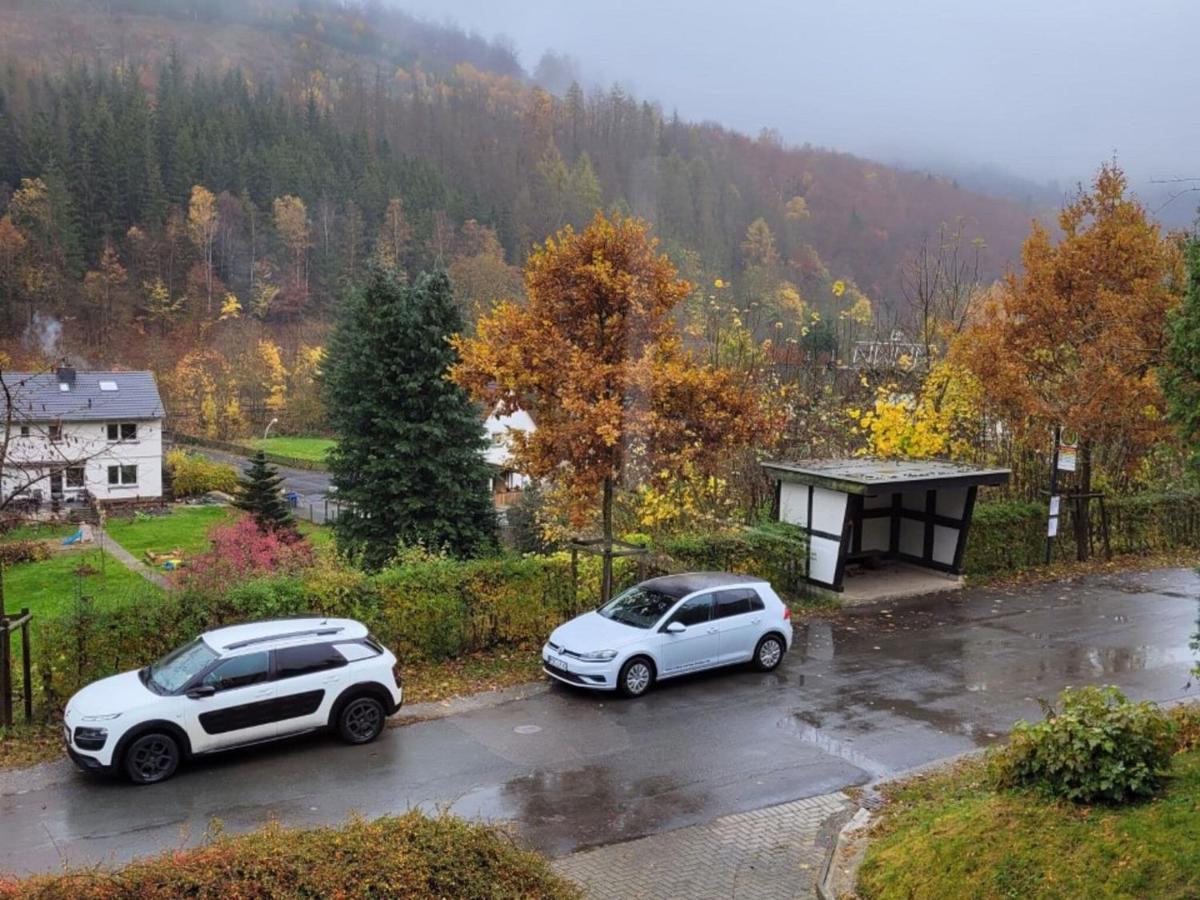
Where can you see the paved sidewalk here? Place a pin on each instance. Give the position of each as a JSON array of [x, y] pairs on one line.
[[775, 852]]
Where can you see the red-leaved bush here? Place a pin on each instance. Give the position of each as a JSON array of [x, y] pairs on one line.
[[241, 550]]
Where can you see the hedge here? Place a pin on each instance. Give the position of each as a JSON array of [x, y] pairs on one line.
[[776, 552], [423, 607], [412, 856], [1011, 536]]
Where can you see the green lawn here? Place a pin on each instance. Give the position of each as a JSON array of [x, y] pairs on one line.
[[312, 449], [185, 528], [50, 587], [950, 835]]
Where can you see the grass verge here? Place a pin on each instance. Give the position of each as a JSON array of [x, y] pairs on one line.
[[27, 745], [949, 834], [312, 449], [412, 856]]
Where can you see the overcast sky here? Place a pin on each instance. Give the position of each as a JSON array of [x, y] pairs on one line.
[[1045, 89]]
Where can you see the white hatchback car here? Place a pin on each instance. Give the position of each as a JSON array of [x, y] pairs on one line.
[[233, 686], [670, 626]]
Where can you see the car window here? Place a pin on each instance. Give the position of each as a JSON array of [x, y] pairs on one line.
[[756, 602], [639, 606], [734, 602], [291, 662], [180, 666], [240, 671], [696, 611]]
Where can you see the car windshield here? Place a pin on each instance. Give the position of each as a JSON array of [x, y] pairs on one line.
[[639, 606], [180, 666]]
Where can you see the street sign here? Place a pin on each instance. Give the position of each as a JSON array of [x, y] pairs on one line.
[[1068, 455]]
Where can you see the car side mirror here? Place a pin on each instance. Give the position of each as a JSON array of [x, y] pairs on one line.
[[200, 691], [676, 628]]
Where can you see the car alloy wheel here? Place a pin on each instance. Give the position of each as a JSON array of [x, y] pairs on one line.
[[636, 677], [361, 720], [151, 758], [769, 653]]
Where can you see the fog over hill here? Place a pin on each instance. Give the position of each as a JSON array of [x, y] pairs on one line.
[[1026, 92]]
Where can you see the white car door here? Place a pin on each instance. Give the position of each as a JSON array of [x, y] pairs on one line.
[[240, 708], [308, 679], [696, 646], [738, 623]]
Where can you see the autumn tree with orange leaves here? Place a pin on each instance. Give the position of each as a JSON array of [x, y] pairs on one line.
[[1076, 338], [595, 358]]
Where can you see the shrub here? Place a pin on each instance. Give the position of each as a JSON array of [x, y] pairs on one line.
[[1096, 747], [241, 550], [193, 475], [412, 856], [23, 551], [777, 552]]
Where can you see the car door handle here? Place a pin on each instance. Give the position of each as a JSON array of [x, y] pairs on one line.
[[712, 631], [756, 620], [263, 693]]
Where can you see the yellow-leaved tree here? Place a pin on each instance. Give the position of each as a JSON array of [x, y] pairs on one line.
[[1076, 339], [942, 419], [596, 360]]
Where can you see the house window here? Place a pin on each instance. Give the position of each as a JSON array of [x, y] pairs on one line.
[[56, 432], [122, 475], [123, 431], [24, 431], [75, 477]]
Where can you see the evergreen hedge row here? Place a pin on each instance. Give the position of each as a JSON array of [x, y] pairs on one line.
[[1011, 536]]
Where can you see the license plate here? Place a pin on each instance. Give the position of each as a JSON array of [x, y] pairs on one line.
[[556, 664]]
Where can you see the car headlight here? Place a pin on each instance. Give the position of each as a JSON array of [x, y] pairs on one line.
[[599, 655], [105, 718]]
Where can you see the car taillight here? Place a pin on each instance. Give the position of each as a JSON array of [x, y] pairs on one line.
[[787, 612]]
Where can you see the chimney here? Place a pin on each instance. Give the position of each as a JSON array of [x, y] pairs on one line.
[[66, 375]]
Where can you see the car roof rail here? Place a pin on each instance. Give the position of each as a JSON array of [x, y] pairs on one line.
[[267, 638]]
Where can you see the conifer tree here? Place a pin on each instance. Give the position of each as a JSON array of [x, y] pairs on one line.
[[409, 461], [1181, 375], [260, 493]]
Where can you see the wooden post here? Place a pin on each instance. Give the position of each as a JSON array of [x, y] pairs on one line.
[[26, 666], [6, 718]]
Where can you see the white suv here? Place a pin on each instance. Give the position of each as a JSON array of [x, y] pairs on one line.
[[671, 626], [233, 686]]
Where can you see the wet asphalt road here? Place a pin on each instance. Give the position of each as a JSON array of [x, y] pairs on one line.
[[857, 699]]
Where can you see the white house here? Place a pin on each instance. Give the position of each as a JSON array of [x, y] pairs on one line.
[[506, 481], [79, 434]]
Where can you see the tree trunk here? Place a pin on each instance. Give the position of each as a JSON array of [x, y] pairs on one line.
[[606, 576], [1083, 503]]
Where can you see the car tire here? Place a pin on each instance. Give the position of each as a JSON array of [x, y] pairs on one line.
[[769, 653], [636, 677], [151, 758], [361, 720]]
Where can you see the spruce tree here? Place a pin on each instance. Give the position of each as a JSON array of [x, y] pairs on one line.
[[260, 493], [409, 461]]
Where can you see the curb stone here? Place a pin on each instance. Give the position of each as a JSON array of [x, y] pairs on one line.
[[840, 873]]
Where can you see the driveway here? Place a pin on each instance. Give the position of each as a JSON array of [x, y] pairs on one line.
[[858, 698], [311, 486]]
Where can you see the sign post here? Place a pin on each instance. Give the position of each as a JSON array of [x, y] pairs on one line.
[[1052, 522]]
